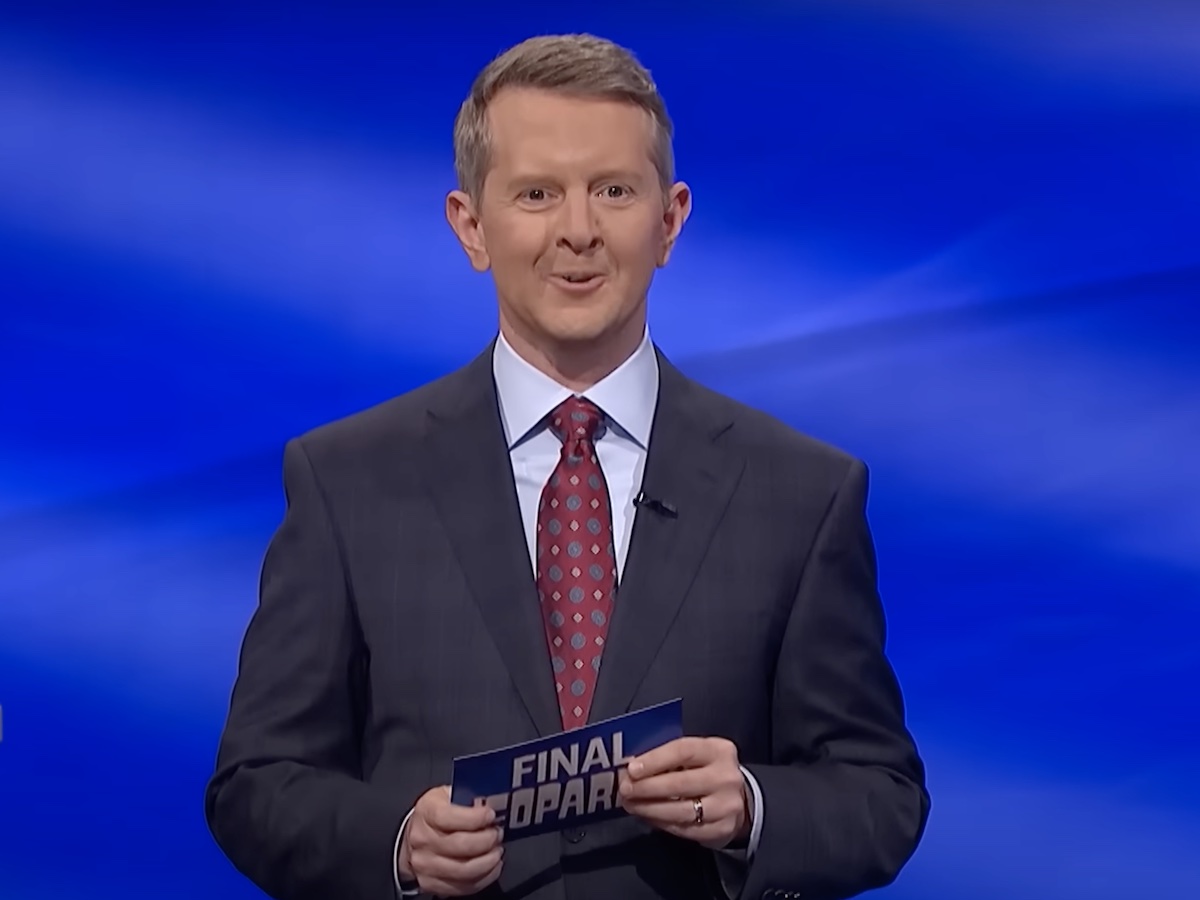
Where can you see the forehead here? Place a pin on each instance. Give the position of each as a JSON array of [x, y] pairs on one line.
[[535, 129]]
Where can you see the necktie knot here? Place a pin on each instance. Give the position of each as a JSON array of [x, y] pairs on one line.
[[577, 419]]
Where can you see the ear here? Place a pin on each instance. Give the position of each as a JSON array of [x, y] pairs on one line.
[[678, 208], [464, 220]]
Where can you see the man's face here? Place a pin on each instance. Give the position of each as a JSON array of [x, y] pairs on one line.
[[572, 220]]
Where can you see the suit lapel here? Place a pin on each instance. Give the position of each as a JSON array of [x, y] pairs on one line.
[[469, 475], [688, 466]]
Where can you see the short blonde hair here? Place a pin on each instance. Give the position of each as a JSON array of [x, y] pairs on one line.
[[575, 64]]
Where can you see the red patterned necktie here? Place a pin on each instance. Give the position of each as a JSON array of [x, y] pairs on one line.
[[576, 562]]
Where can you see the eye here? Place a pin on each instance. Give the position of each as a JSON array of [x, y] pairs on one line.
[[615, 192], [537, 195]]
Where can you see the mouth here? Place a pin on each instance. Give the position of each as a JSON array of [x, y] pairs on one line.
[[577, 280]]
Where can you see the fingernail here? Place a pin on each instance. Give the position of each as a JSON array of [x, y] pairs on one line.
[[636, 767]]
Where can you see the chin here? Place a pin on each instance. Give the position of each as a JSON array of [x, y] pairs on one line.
[[578, 335], [580, 327]]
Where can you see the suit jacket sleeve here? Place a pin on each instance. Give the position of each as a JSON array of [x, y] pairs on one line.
[[844, 799], [287, 802]]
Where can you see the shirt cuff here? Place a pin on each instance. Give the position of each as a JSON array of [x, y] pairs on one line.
[[756, 805], [401, 891], [757, 820], [731, 863]]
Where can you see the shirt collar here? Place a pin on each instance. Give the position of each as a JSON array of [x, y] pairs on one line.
[[628, 395]]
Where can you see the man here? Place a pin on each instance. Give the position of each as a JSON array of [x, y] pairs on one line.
[[564, 530]]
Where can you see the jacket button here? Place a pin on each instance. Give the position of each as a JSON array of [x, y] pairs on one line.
[[575, 835]]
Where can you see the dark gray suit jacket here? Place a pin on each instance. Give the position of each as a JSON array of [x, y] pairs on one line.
[[398, 627]]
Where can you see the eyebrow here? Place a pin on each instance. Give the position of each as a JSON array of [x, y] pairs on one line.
[[618, 175], [528, 178]]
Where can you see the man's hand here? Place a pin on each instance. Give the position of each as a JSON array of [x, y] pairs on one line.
[[661, 787], [449, 850]]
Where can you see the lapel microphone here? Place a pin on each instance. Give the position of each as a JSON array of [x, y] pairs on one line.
[[658, 507]]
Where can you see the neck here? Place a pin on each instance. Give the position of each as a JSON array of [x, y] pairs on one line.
[[577, 365]]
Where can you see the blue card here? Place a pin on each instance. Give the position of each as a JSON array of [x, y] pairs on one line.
[[565, 780]]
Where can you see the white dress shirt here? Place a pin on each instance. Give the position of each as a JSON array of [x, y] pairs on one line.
[[628, 398]]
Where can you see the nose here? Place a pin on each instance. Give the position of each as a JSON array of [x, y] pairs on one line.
[[578, 228]]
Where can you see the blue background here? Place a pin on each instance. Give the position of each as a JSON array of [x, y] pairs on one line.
[[959, 238]]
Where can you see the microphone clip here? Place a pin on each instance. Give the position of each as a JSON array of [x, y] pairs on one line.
[[658, 507]]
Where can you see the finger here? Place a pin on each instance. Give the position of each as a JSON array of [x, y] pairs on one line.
[[679, 819], [490, 876], [673, 785], [669, 813], [710, 834], [439, 888], [681, 753], [464, 872], [718, 808], [449, 818], [464, 844]]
